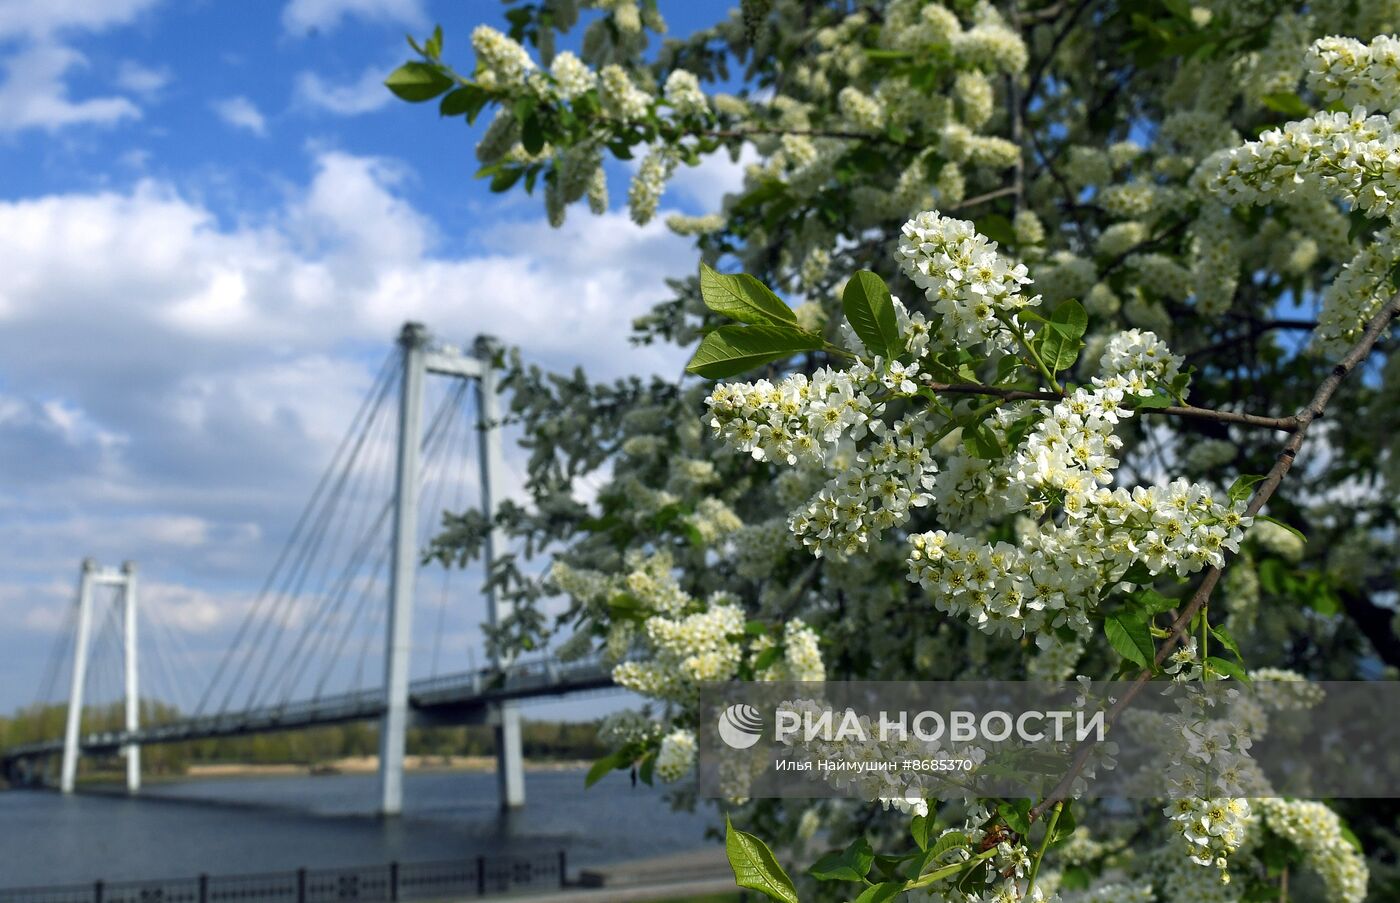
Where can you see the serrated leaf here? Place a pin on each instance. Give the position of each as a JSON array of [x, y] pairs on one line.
[[1058, 351], [919, 827], [730, 350], [755, 866], [1228, 668], [870, 311], [850, 864], [981, 442], [953, 840], [1071, 319], [742, 297], [881, 893], [1141, 402], [1016, 814], [1243, 487], [417, 82], [1128, 634], [1227, 640]]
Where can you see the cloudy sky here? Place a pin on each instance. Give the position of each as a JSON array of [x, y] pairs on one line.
[[213, 220]]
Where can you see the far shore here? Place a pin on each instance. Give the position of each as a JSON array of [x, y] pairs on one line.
[[368, 765]]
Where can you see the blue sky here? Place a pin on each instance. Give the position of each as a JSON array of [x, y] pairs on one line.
[[213, 219]]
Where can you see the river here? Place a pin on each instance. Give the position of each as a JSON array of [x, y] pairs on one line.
[[254, 824]]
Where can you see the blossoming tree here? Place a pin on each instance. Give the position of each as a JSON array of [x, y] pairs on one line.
[[1038, 337]]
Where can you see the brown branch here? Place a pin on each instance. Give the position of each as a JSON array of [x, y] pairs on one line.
[[1304, 419], [1188, 412], [808, 133]]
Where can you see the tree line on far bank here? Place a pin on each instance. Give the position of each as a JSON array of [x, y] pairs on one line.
[[550, 740]]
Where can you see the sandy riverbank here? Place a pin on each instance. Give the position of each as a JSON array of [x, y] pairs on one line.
[[370, 764]]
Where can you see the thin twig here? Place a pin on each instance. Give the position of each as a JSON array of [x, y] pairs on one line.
[[1188, 412], [1265, 490]]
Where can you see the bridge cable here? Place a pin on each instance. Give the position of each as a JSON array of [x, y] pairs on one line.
[[459, 487], [373, 398], [294, 664], [302, 539]]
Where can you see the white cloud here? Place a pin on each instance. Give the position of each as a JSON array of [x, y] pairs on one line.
[[241, 113], [309, 15], [139, 79], [42, 17], [363, 95], [34, 93], [707, 183], [174, 383]]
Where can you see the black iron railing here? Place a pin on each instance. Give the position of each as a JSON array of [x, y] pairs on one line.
[[478, 877]]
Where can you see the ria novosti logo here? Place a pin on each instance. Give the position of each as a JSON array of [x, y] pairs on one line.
[[740, 726]]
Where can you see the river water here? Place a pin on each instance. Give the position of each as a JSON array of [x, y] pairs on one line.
[[241, 825]]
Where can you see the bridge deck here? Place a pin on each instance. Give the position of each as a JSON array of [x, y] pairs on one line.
[[437, 700]]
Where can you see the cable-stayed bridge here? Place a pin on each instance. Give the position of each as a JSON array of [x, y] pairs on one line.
[[340, 595]]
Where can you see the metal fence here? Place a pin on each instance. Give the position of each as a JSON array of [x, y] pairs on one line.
[[389, 883]]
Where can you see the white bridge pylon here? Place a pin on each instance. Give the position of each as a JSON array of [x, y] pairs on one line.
[[125, 580], [419, 359]]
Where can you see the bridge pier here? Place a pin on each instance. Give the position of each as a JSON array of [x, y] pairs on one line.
[[510, 769]]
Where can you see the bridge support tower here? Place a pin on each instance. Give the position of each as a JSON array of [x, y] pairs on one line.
[[125, 580], [419, 360]]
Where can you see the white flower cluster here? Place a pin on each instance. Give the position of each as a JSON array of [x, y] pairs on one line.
[[1212, 828], [1140, 351], [644, 194], [683, 652], [676, 756], [1277, 540], [572, 77], [683, 94], [861, 110], [501, 61], [1356, 295], [1317, 832], [964, 278], [621, 99], [1356, 74]]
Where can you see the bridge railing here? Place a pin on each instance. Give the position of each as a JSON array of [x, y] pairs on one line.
[[389, 883]]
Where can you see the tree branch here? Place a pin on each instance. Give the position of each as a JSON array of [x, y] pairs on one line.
[[1304, 419], [1188, 412]]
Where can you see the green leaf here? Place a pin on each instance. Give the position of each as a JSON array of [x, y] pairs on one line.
[[881, 893], [1243, 487], [1016, 814], [953, 840], [919, 826], [1070, 319], [610, 762], [1227, 640], [1287, 103], [532, 134], [1278, 523], [754, 865], [1228, 668], [1129, 635], [467, 101], [998, 228], [730, 350], [1141, 402], [981, 442], [417, 82], [850, 864], [870, 311], [1154, 602], [767, 657], [742, 297]]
